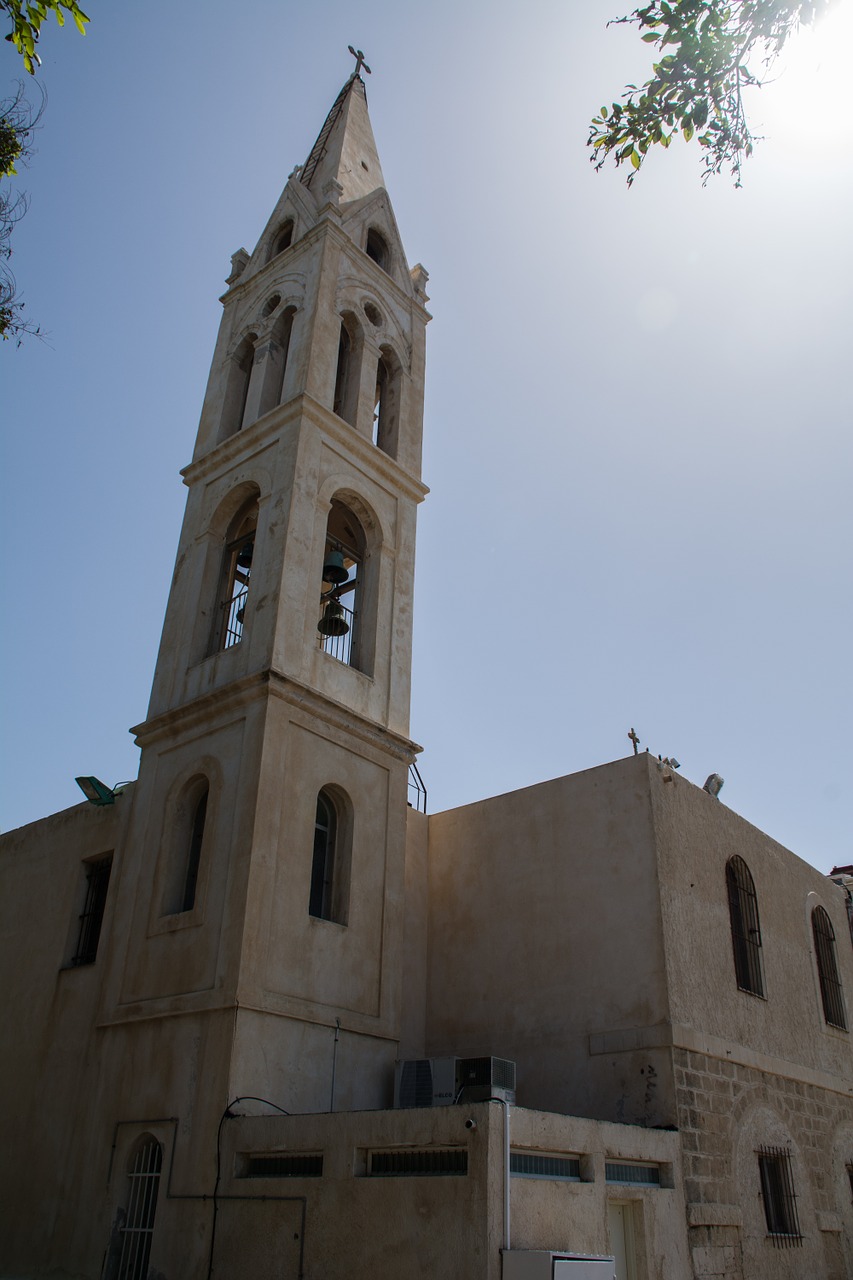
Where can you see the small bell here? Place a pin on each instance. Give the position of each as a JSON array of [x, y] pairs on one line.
[[334, 569], [240, 615], [244, 555], [333, 622]]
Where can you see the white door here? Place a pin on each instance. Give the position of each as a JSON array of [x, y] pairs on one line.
[[620, 1225]]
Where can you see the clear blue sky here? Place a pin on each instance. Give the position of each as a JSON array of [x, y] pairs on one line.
[[639, 408]]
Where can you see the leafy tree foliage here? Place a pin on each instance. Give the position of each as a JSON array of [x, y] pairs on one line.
[[17, 121], [27, 19], [708, 52]]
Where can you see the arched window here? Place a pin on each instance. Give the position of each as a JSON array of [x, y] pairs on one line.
[[376, 247], [746, 931], [275, 367], [282, 239], [342, 586], [236, 572], [348, 371], [827, 969], [329, 894], [237, 387], [143, 1172], [194, 851], [386, 407]]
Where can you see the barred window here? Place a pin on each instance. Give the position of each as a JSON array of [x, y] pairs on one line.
[[530, 1164], [632, 1173], [431, 1162], [780, 1200], [144, 1177], [92, 915], [830, 983], [746, 931]]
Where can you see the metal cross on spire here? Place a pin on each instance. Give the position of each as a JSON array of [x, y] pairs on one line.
[[359, 61]]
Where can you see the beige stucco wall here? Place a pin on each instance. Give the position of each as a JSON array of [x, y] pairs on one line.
[[544, 931]]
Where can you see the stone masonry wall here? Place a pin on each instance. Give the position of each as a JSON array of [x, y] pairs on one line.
[[726, 1111]]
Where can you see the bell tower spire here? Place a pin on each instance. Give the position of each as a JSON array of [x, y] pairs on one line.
[[273, 782]]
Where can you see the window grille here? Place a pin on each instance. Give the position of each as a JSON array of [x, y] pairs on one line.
[[746, 931], [144, 1176], [630, 1174], [278, 1165], [418, 1164], [780, 1200], [526, 1164], [239, 555], [830, 983], [92, 915]]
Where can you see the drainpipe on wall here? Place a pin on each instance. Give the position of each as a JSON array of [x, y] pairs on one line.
[[505, 1105]]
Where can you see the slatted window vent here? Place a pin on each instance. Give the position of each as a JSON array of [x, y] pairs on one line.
[[780, 1199], [432, 1163], [524, 1164], [633, 1175], [278, 1165]]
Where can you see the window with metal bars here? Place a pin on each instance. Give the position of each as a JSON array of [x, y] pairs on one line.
[[283, 1165], [194, 852], [92, 915], [780, 1200], [628, 1173], [827, 968], [746, 931], [432, 1162], [530, 1164], [136, 1233]]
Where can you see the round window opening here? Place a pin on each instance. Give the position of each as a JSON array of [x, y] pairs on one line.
[[373, 314], [272, 304]]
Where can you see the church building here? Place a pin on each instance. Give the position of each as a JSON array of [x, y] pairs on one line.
[[267, 1018]]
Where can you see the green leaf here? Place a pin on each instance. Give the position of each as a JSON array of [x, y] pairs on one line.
[[651, 38], [635, 160]]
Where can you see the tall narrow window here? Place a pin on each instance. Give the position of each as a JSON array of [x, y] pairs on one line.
[[92, 915], [746, 931], [777, 1192], [323, 864], [237, 570], [144, 1178], [237, 387], [341, 588], [386, 409], [343, 374], [827, 968], [194, 852], [330, 861], [275, 362]]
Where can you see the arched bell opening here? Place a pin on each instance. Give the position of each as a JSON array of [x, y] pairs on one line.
[[376, 247], [342, 585], [386, 406], [237, 387], [282, 239], [348, 369], [236, 575], [275, 368]]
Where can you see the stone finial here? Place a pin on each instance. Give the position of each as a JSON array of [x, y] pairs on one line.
[[239, 262], [331, 192], [420, 275]]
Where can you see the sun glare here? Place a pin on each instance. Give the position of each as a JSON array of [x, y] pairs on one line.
[[804, 107]]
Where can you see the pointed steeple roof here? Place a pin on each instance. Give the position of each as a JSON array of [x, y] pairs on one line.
[[345, 149]]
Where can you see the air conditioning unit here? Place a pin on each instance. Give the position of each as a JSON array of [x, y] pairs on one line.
[[439, 1082]]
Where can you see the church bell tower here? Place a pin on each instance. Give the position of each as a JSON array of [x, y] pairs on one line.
[[269, 818]]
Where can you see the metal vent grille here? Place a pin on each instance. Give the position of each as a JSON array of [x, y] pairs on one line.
[[430, 1163], [416, 1083], [487, 1073], [525, 1164], [643, 1175], [277, 1165]]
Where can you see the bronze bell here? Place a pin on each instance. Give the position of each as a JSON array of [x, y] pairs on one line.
[[334, 569], [244, 555], [333, 622]]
